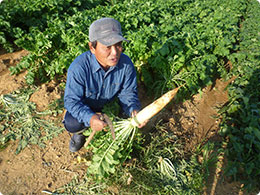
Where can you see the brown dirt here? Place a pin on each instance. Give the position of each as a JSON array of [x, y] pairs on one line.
[[36, 169], [196, 120]]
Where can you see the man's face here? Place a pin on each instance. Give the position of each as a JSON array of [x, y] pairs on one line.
[[107, 56]]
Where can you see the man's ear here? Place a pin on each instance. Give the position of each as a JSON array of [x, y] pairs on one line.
[[92, 49]]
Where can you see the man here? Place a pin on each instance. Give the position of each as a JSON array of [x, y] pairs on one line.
[[95, 78]]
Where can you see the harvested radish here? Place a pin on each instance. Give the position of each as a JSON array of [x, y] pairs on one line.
[[152, 109], [110, 152]]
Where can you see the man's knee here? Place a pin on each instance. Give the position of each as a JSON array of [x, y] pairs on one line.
[[71, 124]]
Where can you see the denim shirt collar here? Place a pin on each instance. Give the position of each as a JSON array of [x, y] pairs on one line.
[[96, 66]]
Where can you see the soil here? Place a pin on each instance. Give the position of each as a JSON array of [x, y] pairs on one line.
[[36, 169]]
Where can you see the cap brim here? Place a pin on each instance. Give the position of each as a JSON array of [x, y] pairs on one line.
[[111, 40]]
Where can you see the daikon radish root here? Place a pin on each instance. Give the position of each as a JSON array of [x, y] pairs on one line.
[[152, 109]]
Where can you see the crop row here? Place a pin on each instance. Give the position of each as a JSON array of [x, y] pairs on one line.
[[171, 43], [241, 117]]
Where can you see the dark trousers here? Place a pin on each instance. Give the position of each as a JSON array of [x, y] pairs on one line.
[[72, 125]]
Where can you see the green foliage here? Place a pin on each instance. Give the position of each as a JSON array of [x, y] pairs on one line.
[[140, 175], [48, 31], [18, 16], [82, 186], [167, 48], [197, 41], [108, 153], [241, 117], [144, 174], [19, 120]]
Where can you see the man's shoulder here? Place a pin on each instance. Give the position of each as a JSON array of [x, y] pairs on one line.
[[81, 61], [83, 57], [125, 59]]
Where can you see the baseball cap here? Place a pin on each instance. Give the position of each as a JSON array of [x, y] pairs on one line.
[[107, 31]]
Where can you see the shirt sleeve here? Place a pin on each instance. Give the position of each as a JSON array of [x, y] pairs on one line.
[[128, 95], [74, 95]]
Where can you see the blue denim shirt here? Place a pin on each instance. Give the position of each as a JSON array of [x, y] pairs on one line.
[[89, 87]]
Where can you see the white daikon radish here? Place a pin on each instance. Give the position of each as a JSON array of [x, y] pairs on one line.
[[152, 109]]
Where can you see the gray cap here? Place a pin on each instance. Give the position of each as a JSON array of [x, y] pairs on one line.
[[107, 31]]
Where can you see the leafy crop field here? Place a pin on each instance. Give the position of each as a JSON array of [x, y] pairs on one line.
[[212, 48]]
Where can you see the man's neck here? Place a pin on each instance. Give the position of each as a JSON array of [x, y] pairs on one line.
[[105, 68]]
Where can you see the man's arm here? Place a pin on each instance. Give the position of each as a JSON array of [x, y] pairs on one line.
[[74, 94]]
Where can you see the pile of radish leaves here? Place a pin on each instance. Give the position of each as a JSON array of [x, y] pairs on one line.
[[109, 152]]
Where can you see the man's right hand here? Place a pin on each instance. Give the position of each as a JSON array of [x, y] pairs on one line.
[[96, 123]]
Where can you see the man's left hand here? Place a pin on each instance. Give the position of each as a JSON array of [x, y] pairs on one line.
[[133, 114]]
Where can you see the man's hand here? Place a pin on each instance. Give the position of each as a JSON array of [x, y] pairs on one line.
[[96, 123], [133, 114]]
